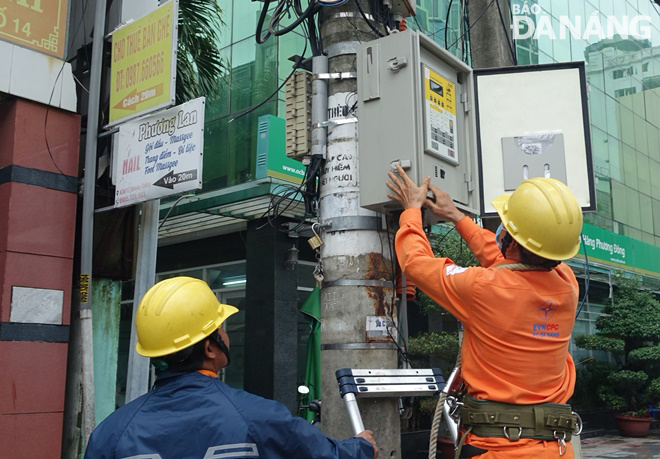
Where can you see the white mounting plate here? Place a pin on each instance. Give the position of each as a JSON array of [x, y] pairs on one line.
[[518, 101]]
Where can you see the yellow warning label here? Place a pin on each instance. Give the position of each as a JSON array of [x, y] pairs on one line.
[[440, 92]]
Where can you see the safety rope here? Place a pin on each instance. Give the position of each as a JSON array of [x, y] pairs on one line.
[[435, 427], [437, 415]]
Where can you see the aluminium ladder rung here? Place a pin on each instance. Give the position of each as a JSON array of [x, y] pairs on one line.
[[372, 383]]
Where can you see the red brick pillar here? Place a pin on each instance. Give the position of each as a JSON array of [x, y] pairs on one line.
[[38, 185]]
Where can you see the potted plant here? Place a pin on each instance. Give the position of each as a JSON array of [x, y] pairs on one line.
[[630, 330]]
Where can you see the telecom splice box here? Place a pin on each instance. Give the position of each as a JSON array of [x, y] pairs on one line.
[[477, 134]]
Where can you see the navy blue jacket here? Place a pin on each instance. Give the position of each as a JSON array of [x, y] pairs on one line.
[[193, 416]]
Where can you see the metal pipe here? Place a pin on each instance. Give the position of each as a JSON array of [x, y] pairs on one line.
[[403, 318], [319, 106], [354, 415], [137, 379], [87, 235], [452, 426]]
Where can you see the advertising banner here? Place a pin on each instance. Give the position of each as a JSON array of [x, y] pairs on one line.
[[143, 69], [36, 24], [160, 155], [619, 251]]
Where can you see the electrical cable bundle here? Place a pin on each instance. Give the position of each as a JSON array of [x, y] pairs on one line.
[[304, 16]]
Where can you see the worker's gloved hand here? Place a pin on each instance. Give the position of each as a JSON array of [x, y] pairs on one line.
[[443, 206], [369, 436]]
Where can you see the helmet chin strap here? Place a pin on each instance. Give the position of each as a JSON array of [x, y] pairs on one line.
[[506, 242], [223, 347]]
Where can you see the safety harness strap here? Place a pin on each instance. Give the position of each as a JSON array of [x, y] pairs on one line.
[[542, 421]]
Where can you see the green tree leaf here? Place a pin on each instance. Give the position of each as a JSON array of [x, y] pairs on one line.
[[645, 355], [200, 68], [600, 343]]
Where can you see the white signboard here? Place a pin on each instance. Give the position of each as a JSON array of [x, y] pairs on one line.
[[160, 155]]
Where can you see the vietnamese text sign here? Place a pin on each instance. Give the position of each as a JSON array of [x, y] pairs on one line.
[[160, 154], [35, 24], [143, 70], [618, 250]]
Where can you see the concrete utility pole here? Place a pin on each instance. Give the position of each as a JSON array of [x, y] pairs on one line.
[[490, 41], [356, 258]]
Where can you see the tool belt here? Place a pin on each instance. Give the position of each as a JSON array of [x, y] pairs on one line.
[[545, 421]]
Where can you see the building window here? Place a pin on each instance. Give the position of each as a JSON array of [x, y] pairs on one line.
[[624, 92], [645, 67], [616, 74]]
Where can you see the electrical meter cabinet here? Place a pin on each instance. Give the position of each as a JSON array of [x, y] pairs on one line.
[[415, 109], [477, 134]]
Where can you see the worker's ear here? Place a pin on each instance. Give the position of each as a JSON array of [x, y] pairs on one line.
[[209, 350]]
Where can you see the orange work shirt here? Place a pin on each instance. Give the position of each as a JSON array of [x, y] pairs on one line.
[[518, 324]]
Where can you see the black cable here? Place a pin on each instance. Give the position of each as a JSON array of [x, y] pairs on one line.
[[297, 7], [296, 66], [181, 198], [466, 40], [310, 11], [260, 24], [380, 14], [275, 201], [417, 22], [313, 39], [447, 23], [320, 38], [439, 244], [274, 208], [371, 26], [310, 192], [474, 23], [587, 274], [506, 33], [403, 352], [52, 93]]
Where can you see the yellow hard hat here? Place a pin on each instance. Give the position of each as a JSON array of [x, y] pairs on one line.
[[543, 216], [177, 313]]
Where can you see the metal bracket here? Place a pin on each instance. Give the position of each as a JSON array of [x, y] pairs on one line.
[[351, 14], [467, 106], [332, 225], [107, 133], [336, 122], [468, 179], [342, 48], [335, 76], [358, 283]]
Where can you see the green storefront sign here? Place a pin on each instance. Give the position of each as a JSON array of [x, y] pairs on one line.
[[620, 251], [271, 152]]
